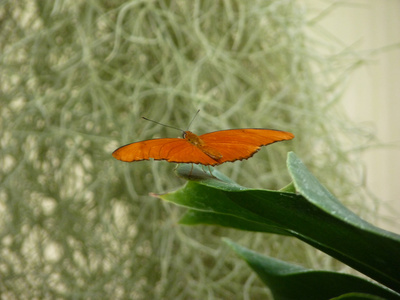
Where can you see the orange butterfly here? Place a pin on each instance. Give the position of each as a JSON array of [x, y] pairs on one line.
[[208, 149]]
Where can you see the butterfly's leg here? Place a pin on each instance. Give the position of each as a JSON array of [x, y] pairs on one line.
[[209, 170], [203, 168], [190, 174]]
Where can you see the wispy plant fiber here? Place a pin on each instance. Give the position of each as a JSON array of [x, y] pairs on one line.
[[75, 78]]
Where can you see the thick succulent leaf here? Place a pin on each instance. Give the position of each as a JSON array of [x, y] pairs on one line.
[[288, 281], [312, 214]]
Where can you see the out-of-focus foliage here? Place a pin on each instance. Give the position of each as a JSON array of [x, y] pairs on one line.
[[76, 76]]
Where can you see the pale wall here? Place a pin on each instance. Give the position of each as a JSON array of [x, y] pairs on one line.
[[373, 96]]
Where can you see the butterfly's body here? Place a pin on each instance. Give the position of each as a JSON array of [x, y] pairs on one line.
[[196, 141], [209, 149]]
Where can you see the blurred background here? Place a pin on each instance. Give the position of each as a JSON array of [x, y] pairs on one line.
[[75, 79], [372, 96]]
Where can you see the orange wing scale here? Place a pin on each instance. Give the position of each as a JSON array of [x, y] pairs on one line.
[[238, 144], [172, 150], [212, 148]]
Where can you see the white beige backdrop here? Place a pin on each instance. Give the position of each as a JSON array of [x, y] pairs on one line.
[[372, 98]]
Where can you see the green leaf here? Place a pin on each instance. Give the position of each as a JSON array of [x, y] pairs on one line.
[[367, 248], [195, 217], [288, 281], [312, 214], [358, 296]]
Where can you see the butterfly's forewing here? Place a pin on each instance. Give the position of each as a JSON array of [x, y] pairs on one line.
[[237, 144], [169, 149]]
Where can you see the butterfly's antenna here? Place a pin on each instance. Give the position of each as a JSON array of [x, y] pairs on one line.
[[163, 124], [193, 119]]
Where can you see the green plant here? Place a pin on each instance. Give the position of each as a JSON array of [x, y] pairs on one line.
[[308, 211], [76, 76]]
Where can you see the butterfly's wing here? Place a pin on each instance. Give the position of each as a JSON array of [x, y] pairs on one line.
[[238, 144], [169, 149]]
